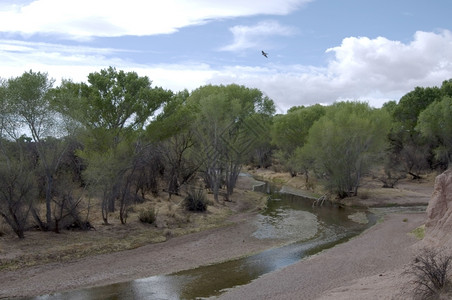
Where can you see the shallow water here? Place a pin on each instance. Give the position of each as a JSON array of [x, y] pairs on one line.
[[288, 217]]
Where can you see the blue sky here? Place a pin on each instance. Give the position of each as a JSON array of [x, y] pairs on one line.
[[319, 51]]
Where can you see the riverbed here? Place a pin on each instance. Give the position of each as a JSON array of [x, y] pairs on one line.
[[303, 230]]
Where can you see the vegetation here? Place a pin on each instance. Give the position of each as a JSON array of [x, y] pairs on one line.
[[196, 200], [147, 216], [345, 143], [431, 274], [105, 146]]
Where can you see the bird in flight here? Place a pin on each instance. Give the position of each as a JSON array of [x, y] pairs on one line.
[[264, 54]]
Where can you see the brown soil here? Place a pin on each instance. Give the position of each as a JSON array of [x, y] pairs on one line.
[[383, 249], [367, 267]]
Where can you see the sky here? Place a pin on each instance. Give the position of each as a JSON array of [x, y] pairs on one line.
[[319, 51]]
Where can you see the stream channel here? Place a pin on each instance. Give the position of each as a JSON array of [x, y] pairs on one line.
[[288, 216]]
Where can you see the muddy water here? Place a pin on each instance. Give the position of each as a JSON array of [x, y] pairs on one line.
[[288, 217]]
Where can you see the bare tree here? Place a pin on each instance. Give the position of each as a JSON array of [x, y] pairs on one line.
[[17, 187]]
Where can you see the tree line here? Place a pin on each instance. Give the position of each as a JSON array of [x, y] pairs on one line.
[[115, 140]]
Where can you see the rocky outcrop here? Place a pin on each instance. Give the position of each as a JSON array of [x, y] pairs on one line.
[[438, 227]]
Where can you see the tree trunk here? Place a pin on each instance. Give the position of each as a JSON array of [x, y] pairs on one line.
[[49, 186], [38, 220]]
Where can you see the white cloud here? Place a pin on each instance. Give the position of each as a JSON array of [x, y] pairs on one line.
[[75, 63], [59, 61], [246, 37], [373, 70], [83, 19], [387, 64]]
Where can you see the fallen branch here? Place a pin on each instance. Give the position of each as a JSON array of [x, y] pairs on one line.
[[319, 201]]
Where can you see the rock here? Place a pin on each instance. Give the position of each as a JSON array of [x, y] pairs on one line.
[[438, 227]]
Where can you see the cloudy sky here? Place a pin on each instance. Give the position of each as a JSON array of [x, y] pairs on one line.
[[319, 51]]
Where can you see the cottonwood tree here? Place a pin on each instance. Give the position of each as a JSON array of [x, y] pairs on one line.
[[290, 132], [435, 124], [112, 107], [17, 186], [31, 109], [409, 149], [345, 142], [172, 134], [226, 127], [17, 181]]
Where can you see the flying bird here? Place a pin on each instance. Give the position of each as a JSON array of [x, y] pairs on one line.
[[264, 54]]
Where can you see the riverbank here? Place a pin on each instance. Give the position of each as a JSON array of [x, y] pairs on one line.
[[231, 238], [366, 267], [380, 250], [407, 192], [176, 254], [370, 266]]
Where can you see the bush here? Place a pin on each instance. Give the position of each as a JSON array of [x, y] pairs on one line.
[[196, 200], [431, 271], [147, 216]]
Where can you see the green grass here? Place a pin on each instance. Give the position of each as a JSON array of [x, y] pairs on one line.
[[419, 232]]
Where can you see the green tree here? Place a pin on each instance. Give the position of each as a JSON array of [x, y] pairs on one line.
[[172, 133], [17, 181], [17, 185], [408, 148], [113, 107], [226, 127], [113, 100], [290, 131], [446, 88], [412, 104], [345, 142], [435, 124], [30, 102]]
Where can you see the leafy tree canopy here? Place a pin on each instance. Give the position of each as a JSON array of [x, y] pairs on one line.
[[345, 142], [290, 131], [412, 104], [113, 99], [435, 123]]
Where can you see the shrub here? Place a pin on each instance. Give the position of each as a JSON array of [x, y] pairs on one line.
[[147, 216], [430, 272], [196, 200]]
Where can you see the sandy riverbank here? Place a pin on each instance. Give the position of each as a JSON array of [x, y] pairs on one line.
[[367, 267], [358, 269], [176, 254]]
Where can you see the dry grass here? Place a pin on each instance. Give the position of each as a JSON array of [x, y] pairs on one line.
[[171, 220]]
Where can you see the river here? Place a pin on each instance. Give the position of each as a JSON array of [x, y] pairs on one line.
[[288, 216]]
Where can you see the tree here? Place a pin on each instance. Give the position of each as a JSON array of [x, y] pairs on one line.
[[446, 88], [412, 104], [172, 134], [345, 142], [226, 127], [17, 186], [290, 131], [113, 108], [435, 124], [17, 181], [31, 109], [408, 148]]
